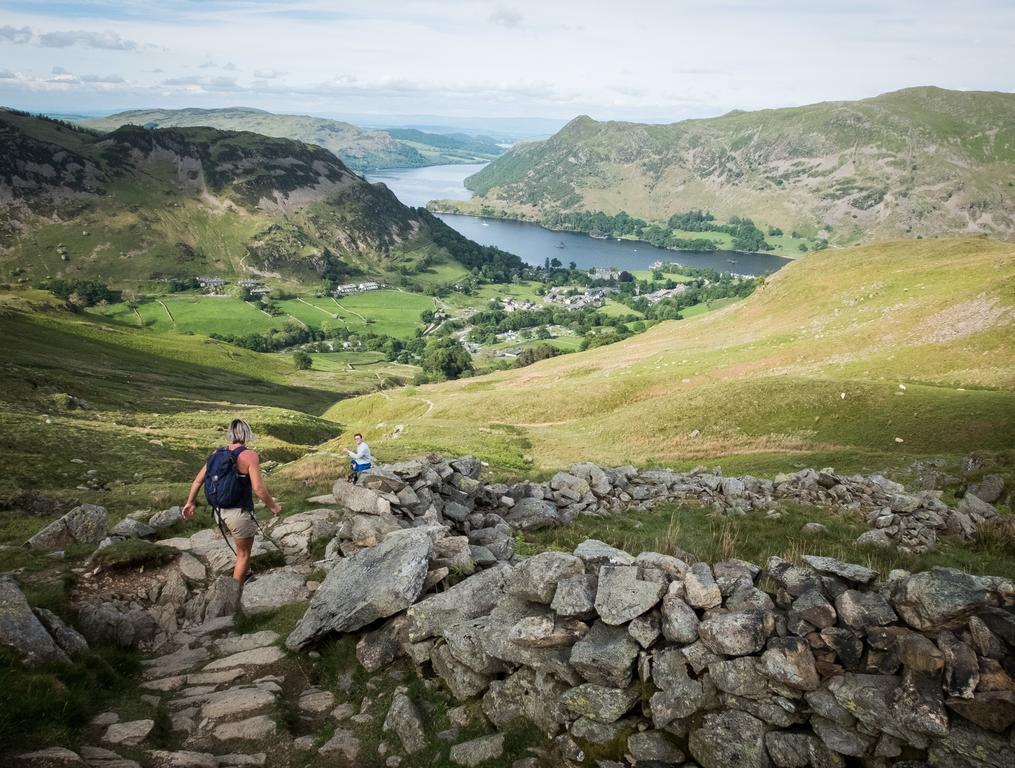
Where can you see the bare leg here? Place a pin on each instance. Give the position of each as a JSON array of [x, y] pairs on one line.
[[243, 547]]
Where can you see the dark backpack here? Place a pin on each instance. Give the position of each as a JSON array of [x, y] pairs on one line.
[[222, 483]]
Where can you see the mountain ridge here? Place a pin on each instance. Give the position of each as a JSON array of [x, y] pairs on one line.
[[922, 161]]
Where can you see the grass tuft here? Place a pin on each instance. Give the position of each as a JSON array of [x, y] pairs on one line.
[[134, 553]]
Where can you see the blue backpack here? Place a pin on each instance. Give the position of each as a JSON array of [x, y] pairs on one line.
[[222, 486]]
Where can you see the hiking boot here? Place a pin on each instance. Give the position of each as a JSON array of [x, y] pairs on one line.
[[250, 577]]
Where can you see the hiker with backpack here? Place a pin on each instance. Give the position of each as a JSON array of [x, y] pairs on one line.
[[231, 478]]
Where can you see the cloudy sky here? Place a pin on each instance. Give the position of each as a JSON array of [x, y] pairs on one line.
[[637, 59]]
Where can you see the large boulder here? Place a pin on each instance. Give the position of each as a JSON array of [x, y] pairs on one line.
[[85, 524], [372, 584], [21, 629], [468, 599], [605, 656], [356, 498], [531, 514], [941, 598], [536, 578], [736, 634]]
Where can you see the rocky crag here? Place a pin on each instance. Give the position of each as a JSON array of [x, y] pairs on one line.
[[647, 658]]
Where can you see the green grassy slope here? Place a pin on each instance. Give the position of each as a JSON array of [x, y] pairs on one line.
[[142, 206], [360, 149], [139, 386], [861, 357], [919, 161]]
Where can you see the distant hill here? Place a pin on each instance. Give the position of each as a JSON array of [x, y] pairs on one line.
[[360, 149], [143, 204], [864, 357], [921, 161]]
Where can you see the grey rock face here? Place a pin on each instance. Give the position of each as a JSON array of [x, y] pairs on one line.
[[863, 609], [404, 719], [575, 597], [813, 608], [653, 747], [21, 629], [527, 694], [622, 596], [532, 514], [222, 598], [941, 598], [605, 656], [729, 738], [357, 498], [478, 751], [372, 584], [536, 578], [847, 571], [273, 590], [735, 634], [680, 622], [605, 705], [462, 681], [988, 489], [468, 599], [701, 589], [798, 750], [129, 528], [165, 518], [789, 661], [740, 676], [85, 524], [596, 553], [66, 637]]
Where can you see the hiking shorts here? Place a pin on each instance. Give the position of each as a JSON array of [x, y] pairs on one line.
[[239, 523]]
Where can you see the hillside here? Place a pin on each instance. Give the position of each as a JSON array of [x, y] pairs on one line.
[[172, 203], [917, 162], [856, 358], [360, 149]]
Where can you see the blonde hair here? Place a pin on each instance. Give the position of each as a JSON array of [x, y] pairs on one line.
[[239, 432]]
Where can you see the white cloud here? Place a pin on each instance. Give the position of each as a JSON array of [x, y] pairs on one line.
[[507, 17], [104, 79], [15, 34], [6, 74], [105, 40], [268, 74]]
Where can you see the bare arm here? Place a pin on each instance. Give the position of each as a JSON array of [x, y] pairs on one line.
[[188, 508], [253, 470]]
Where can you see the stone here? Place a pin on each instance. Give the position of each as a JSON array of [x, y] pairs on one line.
[[962, 671], [236, 701], [85, 524], [940, 598], [673, 567], [794, 579], [680, 698], [315, 701], [645, 629], [464, 640], [372, 584], [679, 621], [653, 747], [129, 528], [993, 710], [379, 647], [184, 759], [547, 631], [191, 569], [919, 705], [602, 704], [532, 514], [227, 646], [856, 573], [700, 588], [799, 750], [68, 639], [622, 596], [461, 680], [536, 578], [789, 661], [478, 751], [52, 756], [404, 719], [250, 729], [526, 695], [343, 742], [222, 598], [605, 656], [840, 739], [468, 599], [575, 597], [739, 676], [731, 738], [813, 608], [966, 746], [918, 653], [735, 634], [356, 498], [596, 553], [130, 734], [273, 590], [860, 610], [876, 537], [597, 480], [988, 489], [165, 518], [253, 658], [21, 629]]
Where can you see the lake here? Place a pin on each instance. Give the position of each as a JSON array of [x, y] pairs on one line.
[[534, 244]]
